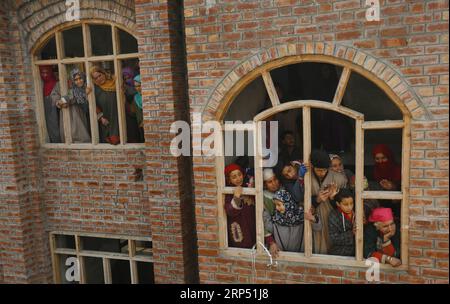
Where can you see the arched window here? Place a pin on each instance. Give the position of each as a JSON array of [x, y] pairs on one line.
[[87, 82], [327, 104]]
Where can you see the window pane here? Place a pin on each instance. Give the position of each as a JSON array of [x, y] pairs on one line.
[[145, 273], [144, 248], [128, 44], [48, 51], [133, 101], [102, 74], [307, 81], [365, 97], [67, 274], [101, 40], [73, 42], [93, 268], [77, 102], [102, 244], [252, 100], [382, 159], [65, 241], [374, 230], [239, 150], [120, 271], [51, 95]]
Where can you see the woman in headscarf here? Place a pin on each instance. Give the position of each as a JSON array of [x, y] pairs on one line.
[[387, 173], [52, 95], [138, 103], [78, 105], [131, 111], [382, 238], [106, 99]]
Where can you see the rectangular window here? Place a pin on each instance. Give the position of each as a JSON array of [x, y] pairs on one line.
[[101, 259]]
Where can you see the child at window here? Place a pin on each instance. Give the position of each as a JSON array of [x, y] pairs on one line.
[[293, 174], [341, 225], [287, 223], [240, 209]]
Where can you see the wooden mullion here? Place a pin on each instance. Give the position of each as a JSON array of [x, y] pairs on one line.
[[43, 133], [340, 91], [308, 191], [359, 177], [259, 198], [107, 271], [119, 92], [387, 124], [95, 137], [134, 272], [55, 260], [220, 179], [270, 87], [406, 148], [80, 259], [63, 89]]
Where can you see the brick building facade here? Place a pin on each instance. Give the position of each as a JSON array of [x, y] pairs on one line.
[[194, 55]]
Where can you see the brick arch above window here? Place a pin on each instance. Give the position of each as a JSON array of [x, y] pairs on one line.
[[39, 20], [379, 72]]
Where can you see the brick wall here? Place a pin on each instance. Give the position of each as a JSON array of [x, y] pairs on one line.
[[165, 101], [407, 48], [22, 238]]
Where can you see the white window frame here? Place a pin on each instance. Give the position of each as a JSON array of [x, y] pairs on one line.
[[360, 126], [87, 61]]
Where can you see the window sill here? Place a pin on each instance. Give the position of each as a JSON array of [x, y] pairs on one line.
[[329, 260], [92, 147]]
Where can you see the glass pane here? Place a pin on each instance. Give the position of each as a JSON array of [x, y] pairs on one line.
[[128, 44], [51, 95], [73, 42], [252, 100], [76, 100], [48, 51], [120, 271], [102, 74], [144, 248], [101, 244], [365, 97], [133, 97], [373, 231], [93, 268], [145, 273], [332, 132], [101, 40], [382, 159], [307, 81], [68, 274], [239, 150], [65, 241]]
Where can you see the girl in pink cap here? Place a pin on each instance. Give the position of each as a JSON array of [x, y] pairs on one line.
[[382, 238]]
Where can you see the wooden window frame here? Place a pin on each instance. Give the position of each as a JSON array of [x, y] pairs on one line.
[[360, 127], [106, 257], [87, 60]]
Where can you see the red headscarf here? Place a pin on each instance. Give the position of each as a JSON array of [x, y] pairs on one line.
[[49, 79], [381, 215], [388, 170]]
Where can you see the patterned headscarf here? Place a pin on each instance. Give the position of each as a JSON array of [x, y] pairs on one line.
[[293, 214], [138, 96], [79, 93], [127, 71]]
